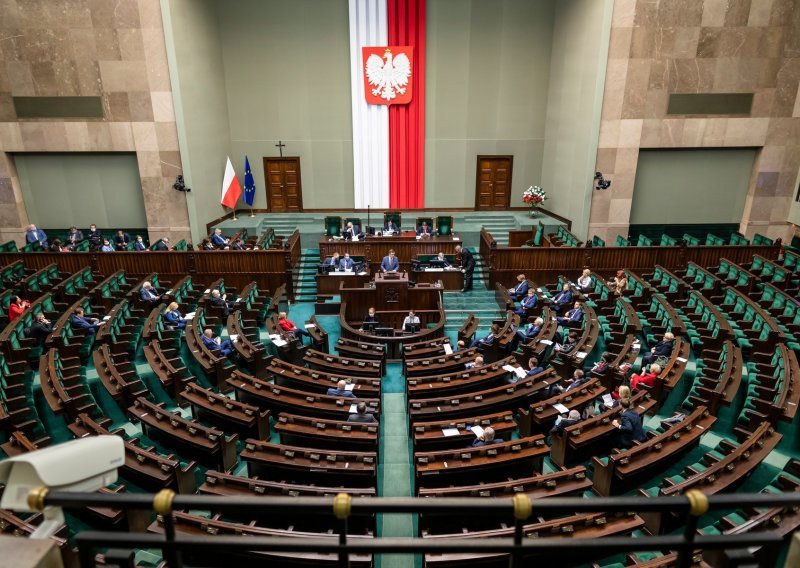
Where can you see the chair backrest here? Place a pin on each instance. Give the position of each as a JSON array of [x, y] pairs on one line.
[[690, 240], [333, 225], [621, 241], [444, 225], [598, 242], [395, 216], [539, 235], [644, 241]]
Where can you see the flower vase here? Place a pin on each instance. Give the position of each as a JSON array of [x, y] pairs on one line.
[[533, 212]]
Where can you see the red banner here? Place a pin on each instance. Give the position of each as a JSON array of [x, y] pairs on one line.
[[388, 74]]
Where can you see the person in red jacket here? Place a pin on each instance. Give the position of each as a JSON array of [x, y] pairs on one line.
[[288, 326], [16, 307], [648, 379]]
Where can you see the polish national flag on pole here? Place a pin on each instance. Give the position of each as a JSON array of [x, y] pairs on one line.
[[231, 190]]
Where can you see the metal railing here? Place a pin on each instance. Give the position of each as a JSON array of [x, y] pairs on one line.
[[687, 509]]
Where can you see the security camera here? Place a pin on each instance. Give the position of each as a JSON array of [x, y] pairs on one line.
[[78, 466]]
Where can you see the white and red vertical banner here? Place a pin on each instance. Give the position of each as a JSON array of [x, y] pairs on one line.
[[387, 54]]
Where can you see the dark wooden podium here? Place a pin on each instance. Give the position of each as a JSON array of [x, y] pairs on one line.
[[389, 292]]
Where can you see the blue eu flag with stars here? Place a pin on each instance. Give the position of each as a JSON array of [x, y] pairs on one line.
[[249, 183]]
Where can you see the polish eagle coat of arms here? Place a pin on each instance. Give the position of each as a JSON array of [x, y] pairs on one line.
[[387, 75]]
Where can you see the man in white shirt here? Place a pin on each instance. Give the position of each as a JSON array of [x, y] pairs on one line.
[[412, 320]]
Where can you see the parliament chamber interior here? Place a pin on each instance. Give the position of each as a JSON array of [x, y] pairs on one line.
[[399, 283]]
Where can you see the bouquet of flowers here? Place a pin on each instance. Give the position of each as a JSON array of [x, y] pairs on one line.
[[534, 196]]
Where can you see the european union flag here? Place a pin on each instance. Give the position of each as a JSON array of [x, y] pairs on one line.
[[249, 183]]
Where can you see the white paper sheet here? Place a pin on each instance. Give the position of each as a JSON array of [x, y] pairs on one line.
[[447, 348], [450, 432], [353, 408], [349, 387], [309, 325], [561, 408], [478, 431]]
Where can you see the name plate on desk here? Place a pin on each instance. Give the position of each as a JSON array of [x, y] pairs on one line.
[[429, 269]]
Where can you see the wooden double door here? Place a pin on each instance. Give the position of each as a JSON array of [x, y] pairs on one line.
[[284, 190], [493, 182]]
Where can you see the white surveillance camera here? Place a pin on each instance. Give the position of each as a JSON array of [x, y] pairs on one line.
[[77, 466]]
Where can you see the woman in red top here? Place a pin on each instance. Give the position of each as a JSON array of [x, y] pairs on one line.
[[288, 326], [648, 379], [16, 307]]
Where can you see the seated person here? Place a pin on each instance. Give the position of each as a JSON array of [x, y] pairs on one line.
[[489, 339], [350, 232], [79, 320], [225, 348], [163, 244], [218, 239], [477, 362], [390, 263], [424, 230], [94, 237], [390, 226], [619, 283], [411, 322], [361, 414], [346, 263], [149, 295], [332, 261], [527, 303], [221, 301], [573, 318], [107, 246], [55, 246], [486, 439], [237, 244], [568, 346], [585, 281], [16, 307], [661, 349], [629, 426], [206, 244], [122, 240], [620, 393], [371, 321], [520, 290], [461, 345], [442, 260], [533, 369], [563, 299], [39, 329], [573, 417], [173, 317], [341, 390], [288, 326], [578, 379], [603, 366], [648, 379], [139, 245], [531, 330]]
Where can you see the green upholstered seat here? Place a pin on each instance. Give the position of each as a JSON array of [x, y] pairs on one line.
[[333, 226], [444, 225], [395, 216]]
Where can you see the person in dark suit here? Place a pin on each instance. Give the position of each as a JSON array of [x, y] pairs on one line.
[[390, 263], [390, 226], [237, 244], [205, 244], [173, 317], [341, 390], [225, 348], [569, 345], [218, 239], [467, 266], [121, 240], [489, 339], [528, 302], [561, 423], [486, 439], [79, 320], [572, 318], [74, 237], [138, 244], [149, 295], [661, 349], [361, 414], [350, 232], [603, 366], [442, 260], [332, 261], [94, 237], [34, 235], [477, 362], [163, 244], [518, 292], [221, 301], [563, 299], [531, 330], [40, 329], [578, 379], [346, 263], [629, 426], [371, 321], [424, 230]]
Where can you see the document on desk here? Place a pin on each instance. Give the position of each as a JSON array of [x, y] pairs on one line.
[[520, 372], [310, 325], [353, 408], [274, 336], [279, 342], [509, 368], [545, 342], [478, 431], [362, 273], [447, 432], [561, 408], [349, 387], [447, 348], [608, 400], [430, 269], [581, 355]]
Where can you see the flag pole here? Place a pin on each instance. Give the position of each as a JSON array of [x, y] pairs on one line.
[[251, 213], [234, 218]]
